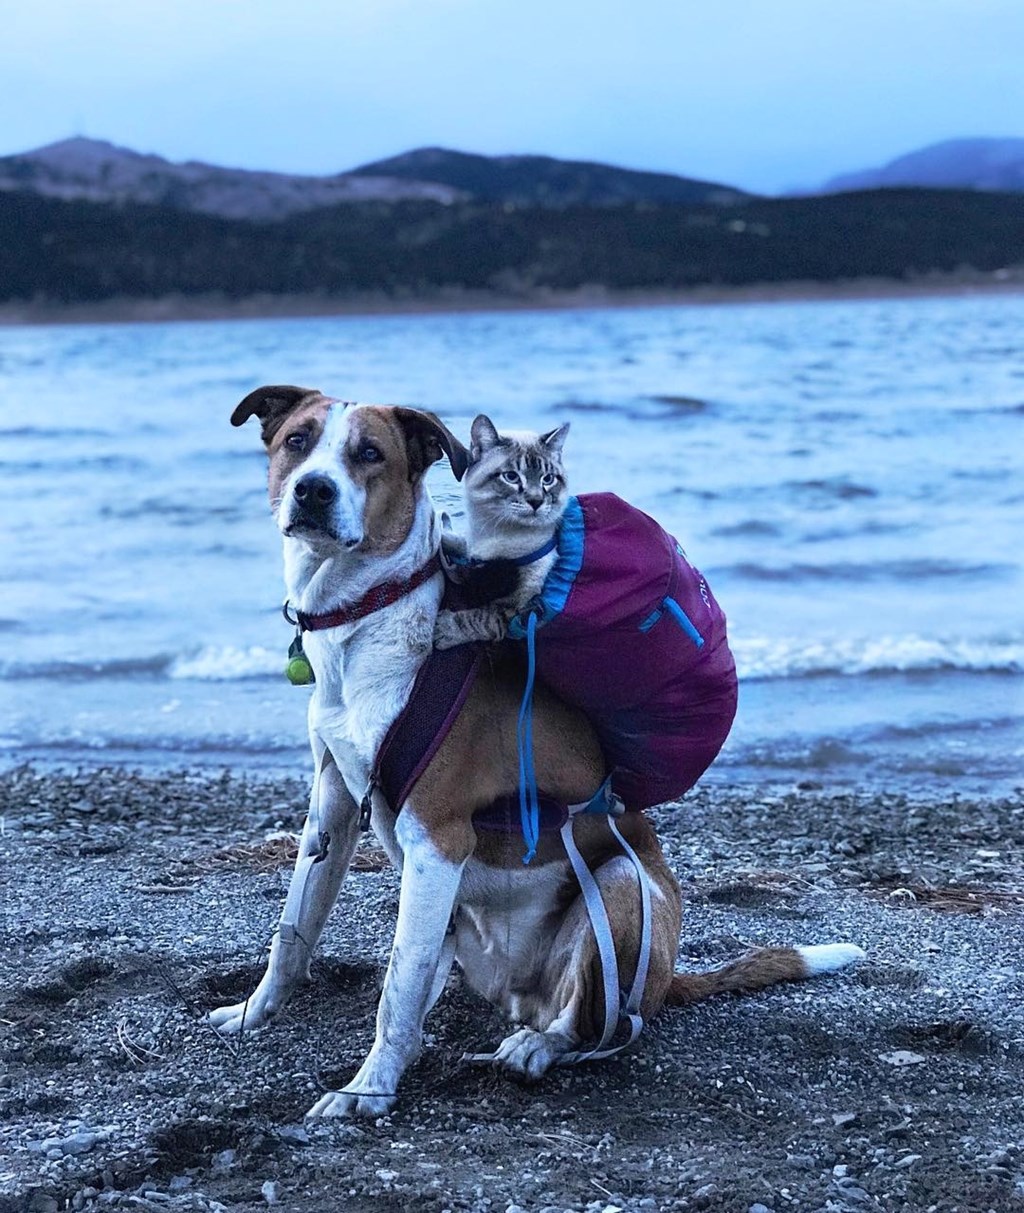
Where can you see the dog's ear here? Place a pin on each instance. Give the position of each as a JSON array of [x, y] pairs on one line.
[[482, 436], [554, 440], [427, 438], [271, 404]]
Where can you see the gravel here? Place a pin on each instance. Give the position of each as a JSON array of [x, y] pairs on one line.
[[134, 902]]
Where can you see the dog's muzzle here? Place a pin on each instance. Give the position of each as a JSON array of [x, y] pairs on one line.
[[313, 509]]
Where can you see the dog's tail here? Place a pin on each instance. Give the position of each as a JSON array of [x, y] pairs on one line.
[[761, 968]]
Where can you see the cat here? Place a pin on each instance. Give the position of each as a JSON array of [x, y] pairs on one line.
[[516, 493]]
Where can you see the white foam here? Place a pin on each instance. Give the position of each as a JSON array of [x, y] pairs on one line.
[[789, 656], [757, 657], [225, 663]]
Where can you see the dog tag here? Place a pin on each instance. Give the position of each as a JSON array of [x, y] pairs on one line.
[[298, 671]]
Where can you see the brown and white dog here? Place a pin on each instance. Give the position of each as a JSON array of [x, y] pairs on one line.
[[346, 488]]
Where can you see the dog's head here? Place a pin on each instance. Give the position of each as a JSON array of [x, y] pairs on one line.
[[346, 476]]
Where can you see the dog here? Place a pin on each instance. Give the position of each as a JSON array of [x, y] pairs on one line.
[[346, 486]]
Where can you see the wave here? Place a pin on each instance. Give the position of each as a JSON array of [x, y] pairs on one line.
[[761, 658], [758, 658], [838, 487], [215, 663], [68, 463], [213, 746], [226, 663], [125, 667], [57, 432], [874, 571]]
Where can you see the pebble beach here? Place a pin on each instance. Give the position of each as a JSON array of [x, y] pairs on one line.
[[137, 901]]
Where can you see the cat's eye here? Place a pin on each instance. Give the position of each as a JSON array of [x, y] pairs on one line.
[[548, 480], [511, 478]]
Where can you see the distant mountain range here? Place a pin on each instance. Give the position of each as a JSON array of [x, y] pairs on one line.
[[83, 221], [969, 164], [545, 181], [93, 170]]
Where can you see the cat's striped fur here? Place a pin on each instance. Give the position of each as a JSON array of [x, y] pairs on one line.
[[516, 493]]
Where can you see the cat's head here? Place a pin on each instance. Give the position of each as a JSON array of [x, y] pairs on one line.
[[515, 480]]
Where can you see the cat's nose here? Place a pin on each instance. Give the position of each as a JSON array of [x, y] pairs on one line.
[[534, 500]]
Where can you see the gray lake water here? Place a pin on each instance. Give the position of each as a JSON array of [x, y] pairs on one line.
[[847, 475]]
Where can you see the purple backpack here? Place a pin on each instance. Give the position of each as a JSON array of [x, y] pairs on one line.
[[629, 632]]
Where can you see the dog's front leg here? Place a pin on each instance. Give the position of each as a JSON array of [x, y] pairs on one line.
[[328, 842], [430, 883]]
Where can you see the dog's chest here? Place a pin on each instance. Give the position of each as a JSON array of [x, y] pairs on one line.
[[362, 684]]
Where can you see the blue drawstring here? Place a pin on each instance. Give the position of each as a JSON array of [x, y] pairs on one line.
[[529, 802]]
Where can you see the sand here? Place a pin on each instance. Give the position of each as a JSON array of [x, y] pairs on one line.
[[134, 902]]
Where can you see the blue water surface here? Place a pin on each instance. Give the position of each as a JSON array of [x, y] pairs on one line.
[[847, 475]]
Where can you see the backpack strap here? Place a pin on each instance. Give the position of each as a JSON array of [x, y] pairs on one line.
[[441, 688], [620, 1007]]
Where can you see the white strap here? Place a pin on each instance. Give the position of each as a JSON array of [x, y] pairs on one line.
[[614, 1007], [606, 951], [643, 960], [602, 936]]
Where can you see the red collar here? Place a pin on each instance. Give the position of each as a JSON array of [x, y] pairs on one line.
[[380, 596]]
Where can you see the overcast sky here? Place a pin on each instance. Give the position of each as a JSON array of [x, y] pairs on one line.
[[765, 94]]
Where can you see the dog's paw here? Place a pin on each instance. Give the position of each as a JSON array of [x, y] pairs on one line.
[[529, 1054], [248, 1016], [351, 1103]]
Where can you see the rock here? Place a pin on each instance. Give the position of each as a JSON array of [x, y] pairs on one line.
[[223, 1161], [78, 1143], [907, 1160], [293, 1133], [843, 1120], [757, 1207], [269, 1192], [840, 1170], [902, 1057], [857, 1195]]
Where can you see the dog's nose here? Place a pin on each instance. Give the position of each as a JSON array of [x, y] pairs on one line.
[[315, 490]]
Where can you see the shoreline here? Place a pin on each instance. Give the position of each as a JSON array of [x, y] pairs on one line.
[[184, 308]]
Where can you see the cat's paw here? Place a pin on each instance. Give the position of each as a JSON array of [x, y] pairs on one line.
[[454, 548], [447, 633]]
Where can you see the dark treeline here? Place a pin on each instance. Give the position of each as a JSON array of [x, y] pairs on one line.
[[77, 252]]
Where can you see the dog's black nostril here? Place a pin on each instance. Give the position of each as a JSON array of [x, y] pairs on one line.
[[315, 490]]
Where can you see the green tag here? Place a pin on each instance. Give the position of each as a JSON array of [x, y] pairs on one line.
[[298, 671]]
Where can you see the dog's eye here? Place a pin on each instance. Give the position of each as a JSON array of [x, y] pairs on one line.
[[296, 441], [548, 480], [368, 453], [511, 478]]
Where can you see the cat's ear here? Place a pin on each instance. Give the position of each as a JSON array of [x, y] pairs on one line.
[[555, 440], [483, 436]]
